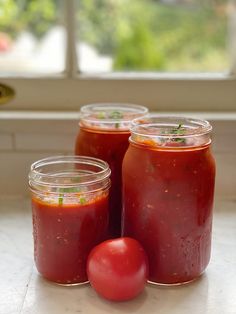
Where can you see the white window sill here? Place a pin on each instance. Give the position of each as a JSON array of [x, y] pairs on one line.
[[74, 115]]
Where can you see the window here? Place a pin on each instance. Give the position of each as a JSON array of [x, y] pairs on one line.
[[151, 35], [32, 37], [166, 54]]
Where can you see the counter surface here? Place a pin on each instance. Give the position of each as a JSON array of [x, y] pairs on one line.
[[23, 291]]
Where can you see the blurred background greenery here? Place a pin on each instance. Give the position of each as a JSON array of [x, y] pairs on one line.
[[146, 35]]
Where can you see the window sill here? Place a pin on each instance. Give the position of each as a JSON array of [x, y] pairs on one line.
[[74, 115], [192, 93], [126, 76]]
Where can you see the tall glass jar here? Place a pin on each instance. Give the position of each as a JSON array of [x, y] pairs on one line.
[[70, 214], [103, 133], [168, 188]]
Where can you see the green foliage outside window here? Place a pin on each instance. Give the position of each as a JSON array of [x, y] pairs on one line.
[[138, 34], [32, 15]]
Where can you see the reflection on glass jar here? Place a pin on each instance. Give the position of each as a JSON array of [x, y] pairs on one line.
[[104, 132], [70, 214], [168, 189]]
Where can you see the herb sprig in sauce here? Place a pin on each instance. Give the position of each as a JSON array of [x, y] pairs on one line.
[[179, 131]]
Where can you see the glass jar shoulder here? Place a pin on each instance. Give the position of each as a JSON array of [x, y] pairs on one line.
[[145, 161]]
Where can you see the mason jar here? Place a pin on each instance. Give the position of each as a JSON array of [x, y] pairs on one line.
[[168, 189], [103, 133], [70, 214]]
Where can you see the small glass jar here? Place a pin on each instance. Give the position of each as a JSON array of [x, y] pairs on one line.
[[70, 214], [103, 133], [168, 189]]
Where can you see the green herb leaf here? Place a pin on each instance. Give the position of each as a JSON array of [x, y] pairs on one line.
[[179, 140], [116, 115], [82, 200], [179, 131], [69, 190], [60, 199], [101, 115]]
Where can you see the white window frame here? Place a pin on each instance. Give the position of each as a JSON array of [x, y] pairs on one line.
[[158, 91]]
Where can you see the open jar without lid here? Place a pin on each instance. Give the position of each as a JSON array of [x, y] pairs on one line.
[[168, 177], [104, 131], [110, 116], [70, 212], [70, 176], [170, 132]]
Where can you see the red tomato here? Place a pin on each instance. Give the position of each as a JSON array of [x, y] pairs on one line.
[[117, 269]]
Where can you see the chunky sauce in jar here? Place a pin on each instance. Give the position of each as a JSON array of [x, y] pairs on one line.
[[168, 189], [70, 210], [111, 147], [104, 133], [65, 234]]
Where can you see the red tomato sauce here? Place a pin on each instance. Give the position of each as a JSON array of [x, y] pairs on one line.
[[168, 200], [109, 146], [64, 235]]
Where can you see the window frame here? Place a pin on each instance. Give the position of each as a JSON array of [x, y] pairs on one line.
[[159, 91]]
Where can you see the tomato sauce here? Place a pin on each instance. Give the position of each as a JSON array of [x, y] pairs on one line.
[[64, 235], [168, 200], [109, 146], [104, 132]]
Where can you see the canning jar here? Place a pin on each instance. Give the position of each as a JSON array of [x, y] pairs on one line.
[[168, 188], [70, 214], [103, 133]]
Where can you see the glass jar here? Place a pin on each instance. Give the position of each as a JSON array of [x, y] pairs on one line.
[[168, 189], [70, 214], [104, 132]]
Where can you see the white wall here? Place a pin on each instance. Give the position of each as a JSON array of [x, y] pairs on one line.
[[27, 137]]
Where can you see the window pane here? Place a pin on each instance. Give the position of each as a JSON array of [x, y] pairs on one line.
[[152, 35], [32, 38]]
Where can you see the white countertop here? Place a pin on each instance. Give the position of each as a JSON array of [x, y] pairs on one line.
[[23, 291]]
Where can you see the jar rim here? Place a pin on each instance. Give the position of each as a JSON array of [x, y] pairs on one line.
[[111, 113], [38, 176], [152, 125]]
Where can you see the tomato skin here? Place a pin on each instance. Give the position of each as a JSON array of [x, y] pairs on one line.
[[118, 269]]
